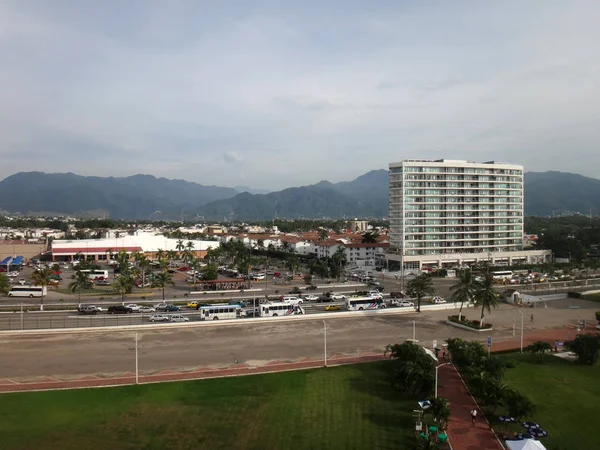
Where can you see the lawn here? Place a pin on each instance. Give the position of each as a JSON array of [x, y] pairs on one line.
[[566, 396], [336, 408]]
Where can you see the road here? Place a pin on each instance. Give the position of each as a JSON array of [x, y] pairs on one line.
[[102, 353]]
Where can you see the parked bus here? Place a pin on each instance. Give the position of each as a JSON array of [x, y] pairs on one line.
[[502, 275], [361, 303], [217, 312], [96, 274], [27, 291], [276, 309]]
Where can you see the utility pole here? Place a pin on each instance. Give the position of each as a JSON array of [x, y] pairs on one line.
[[325, 342], [137, 366]]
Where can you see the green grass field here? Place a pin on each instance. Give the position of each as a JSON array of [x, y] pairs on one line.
[[566, 396], [349, 407]]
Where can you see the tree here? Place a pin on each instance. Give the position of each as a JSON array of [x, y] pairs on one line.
[[370, 237], [440, 408], [190, 246], [419, 287], [586, 347], [124, 284], [539, 348], [180, 246], [323, 234], [490, 390], [4, 284], [464, 290], [337, 262], [80, 281], [486, 296], [519, 405], [161, 280], [42, 277], [413, 369], [160, 255], [292, 262], [210, 272]]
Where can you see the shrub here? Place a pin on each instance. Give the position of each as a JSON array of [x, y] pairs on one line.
[[574, 294], [587, 347], [470, 323], [510, 364]]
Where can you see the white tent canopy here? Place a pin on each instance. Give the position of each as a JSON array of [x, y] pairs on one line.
[[525, 444]]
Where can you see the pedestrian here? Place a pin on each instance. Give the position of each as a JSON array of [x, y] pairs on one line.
[[532, 318], [473, 416]]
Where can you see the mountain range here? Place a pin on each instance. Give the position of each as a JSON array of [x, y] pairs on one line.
[[145, 196]]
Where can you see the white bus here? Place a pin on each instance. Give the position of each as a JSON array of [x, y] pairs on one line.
[[276, 309], [96, 274], [502, 275], [27, 291], [361, 303], [216, 312]]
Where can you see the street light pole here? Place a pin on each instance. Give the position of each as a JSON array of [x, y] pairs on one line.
[[325, 342], [436, 377], [137, 365], [521, 312]]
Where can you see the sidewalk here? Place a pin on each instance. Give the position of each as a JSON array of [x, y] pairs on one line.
[[463, 435]]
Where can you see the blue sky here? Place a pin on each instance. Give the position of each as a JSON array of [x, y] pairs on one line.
[[273, 94]]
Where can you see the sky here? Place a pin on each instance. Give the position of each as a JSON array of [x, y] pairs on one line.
[[274, 94]]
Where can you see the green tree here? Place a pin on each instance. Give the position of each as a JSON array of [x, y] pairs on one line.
[[42, 277], [337, 262], [440, 409], [586, 347], [413, 369], [80, 281], [370, 237], [539, 348], [323, 234], [4, 284], [180, 245], [486, 296], [161, 281], [292, 262], [519, 405], [464, 290], [210, 272], [419, 287], [124, 284]]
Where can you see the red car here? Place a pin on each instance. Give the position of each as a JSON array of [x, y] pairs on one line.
[[183, 269]]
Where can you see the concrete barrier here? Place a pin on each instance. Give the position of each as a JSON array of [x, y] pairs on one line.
[[215, 323]]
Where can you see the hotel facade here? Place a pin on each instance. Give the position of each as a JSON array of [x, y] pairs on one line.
[[445, 213]]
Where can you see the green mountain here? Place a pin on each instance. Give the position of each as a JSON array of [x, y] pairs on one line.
[[142, 196], [135, 197]]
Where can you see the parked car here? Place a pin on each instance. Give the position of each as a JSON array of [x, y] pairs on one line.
[[179, 318], [311, 298], [147, 309], [14, 273], [183, 269], [258, 276], [119, 309], [332, 307], [437, 300], [133, 307], [336, 297], [158, 318], [88, 310], [22, 281], [102, 282], [397, 294]]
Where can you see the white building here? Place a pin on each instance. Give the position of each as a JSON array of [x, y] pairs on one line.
[[448, 212]]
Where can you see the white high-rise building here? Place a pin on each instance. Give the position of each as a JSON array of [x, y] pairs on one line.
[[448, 212]]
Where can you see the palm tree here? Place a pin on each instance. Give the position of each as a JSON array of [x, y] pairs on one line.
[[42, 277], [464, 290], [161, 280], [370, 237], [486, 296], [419, 287], [4, 284], [323, 235], [80, 281], [180, 247], [338, 261], [190, 245], [160, 254], [172, 255], [124, 284]]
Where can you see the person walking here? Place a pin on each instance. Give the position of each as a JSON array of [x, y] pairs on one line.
[[531, 318], [473, 416]]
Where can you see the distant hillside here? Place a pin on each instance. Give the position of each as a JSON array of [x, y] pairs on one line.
[[135, 197], [140, 196], [548, 193]]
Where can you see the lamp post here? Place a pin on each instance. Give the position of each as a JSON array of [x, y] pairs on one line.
[[137, 365], [436, 376], [325, 343], [521, 312]]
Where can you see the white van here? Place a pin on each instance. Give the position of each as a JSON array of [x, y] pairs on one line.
[[292, 300]]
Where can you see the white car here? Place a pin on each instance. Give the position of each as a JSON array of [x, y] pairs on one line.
[[311, 298], [258, 276], [376, 295], [337, 297], [12, 274], [179, 318], [147, 309], [133, 307], [22, 281], [192, 272], [437, 300], [159, 318], [401, 303]]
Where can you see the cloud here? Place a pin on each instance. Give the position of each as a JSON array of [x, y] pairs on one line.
[[226, 91]]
